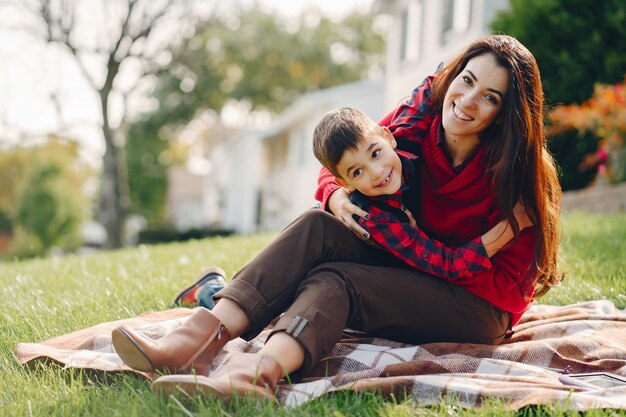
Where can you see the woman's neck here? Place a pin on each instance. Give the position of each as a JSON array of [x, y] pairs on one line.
[[460, 148]]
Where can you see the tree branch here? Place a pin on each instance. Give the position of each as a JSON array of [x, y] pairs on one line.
[[63, 37]]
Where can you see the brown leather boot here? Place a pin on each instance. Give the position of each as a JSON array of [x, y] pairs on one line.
[[191, 346], [245, 374]]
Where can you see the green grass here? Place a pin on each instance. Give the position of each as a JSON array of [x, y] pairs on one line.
[[44, 298]]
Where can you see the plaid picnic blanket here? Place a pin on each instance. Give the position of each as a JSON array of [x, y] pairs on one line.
[[583, 337]]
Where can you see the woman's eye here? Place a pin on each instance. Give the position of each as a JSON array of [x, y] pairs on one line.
[[467, 80], [492, 99]]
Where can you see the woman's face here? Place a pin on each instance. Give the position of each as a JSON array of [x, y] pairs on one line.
[[474, 99]]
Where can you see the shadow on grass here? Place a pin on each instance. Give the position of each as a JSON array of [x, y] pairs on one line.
[[44, 368]]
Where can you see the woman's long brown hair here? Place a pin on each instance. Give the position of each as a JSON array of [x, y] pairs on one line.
[[517, 159]]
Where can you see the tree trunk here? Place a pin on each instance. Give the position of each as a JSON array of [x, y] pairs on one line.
[[113, 192]]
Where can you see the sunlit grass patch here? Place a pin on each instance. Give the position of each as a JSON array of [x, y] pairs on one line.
[[43, 298]]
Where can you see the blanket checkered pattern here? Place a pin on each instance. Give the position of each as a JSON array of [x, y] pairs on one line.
[[584, 337]]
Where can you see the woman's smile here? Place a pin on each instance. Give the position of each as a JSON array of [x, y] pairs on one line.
[[458, 113]]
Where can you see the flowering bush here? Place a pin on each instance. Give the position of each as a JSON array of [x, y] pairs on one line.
[[604, 115]]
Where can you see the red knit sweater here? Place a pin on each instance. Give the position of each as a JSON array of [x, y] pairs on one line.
[[456, 208]]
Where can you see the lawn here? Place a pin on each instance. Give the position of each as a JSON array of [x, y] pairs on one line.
[[44, 298]]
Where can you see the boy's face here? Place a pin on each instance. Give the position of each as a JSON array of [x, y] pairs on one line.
[[374, 168]]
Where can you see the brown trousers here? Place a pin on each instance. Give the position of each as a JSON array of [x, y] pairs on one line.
[[325, 279]]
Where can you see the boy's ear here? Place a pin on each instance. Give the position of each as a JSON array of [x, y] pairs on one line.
[[341, 182], [390, 138]]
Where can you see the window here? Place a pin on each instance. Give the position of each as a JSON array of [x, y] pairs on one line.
[[456, 16], [410, 30]]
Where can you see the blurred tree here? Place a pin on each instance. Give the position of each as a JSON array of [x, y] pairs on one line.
[[251, 58], [107, 38], [44, 198], [46, 215], [147, 178], [576, 42], [6, 225]]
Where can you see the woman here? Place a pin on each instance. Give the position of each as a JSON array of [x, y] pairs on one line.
[[478, 126]]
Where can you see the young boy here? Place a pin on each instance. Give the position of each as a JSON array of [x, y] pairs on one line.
[[362, 157]]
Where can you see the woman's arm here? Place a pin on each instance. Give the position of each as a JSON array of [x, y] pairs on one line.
[[412, 119], [497, 280], [326, 186], [502, 285], [502, 233], [409, 243]]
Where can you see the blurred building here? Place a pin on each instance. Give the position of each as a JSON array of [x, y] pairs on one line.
[[255, 181], [249, 181], [217, 189], [425, 33], [288, 168]]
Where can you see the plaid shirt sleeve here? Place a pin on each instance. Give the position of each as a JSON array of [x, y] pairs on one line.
[[414, 247], [412, 119]]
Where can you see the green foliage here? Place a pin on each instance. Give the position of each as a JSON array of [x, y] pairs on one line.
[[571, 148], [147, 178], [256, 58], [42, 199], [5, 222], [251, 58], [47, 215], [576, 42], [44, 298]]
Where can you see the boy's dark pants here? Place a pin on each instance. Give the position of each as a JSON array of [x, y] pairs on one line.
[[325, 279]]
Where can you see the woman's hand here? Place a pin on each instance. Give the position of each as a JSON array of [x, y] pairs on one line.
[[340, 205], [521, 216], [412, 221]]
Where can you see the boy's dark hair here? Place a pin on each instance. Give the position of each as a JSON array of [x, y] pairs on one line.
[[337, 132]]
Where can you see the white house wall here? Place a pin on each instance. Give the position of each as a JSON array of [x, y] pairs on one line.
[[184, 199], [303, 168], [214, 184], [240, 199]]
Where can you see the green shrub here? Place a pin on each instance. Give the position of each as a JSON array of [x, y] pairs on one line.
[[5, 222], [570, 148], [48, 214], [42, 202]]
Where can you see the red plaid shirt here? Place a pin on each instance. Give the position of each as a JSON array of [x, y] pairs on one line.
[[390, 229]]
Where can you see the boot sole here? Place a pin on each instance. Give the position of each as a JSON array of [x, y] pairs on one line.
[[130, 352], [192, 386]]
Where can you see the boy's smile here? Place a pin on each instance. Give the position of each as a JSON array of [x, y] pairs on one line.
[[374, 168]]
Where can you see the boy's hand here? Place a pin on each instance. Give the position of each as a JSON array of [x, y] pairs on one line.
[[341, 206]]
